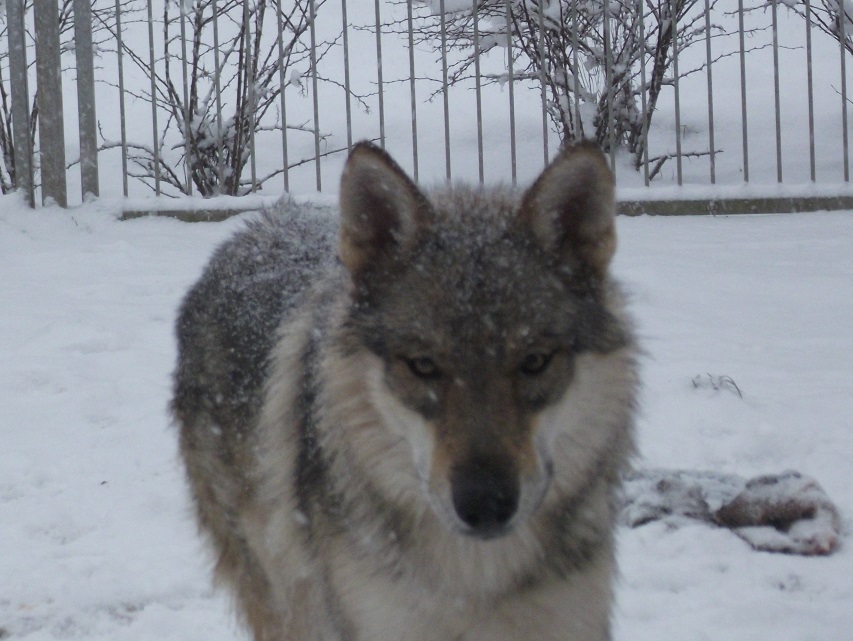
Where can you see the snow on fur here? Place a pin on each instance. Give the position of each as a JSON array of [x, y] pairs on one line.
[[785, 512]]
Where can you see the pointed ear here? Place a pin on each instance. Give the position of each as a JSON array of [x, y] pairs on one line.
[[570, 209], [382, 210]]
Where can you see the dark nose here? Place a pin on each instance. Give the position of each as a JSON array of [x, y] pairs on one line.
[[485, 496]]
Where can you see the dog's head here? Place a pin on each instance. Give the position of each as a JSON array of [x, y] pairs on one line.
[[478, 307]]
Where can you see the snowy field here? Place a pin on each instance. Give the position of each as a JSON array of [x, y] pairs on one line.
[[96, 536], [97, 540]]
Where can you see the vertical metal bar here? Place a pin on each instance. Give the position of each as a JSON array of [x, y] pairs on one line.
[[312, 16], [776, 100], [542, 81], [674, 22], [709, 76], [347, 94], [511, 85], [576, 90], [643, 96], [608, 78], [188, 159], [478, 90], [19, 86], [49, 98], [251, 54], [155, 150], [810, 89], [744, 127], [217, 69], [444, 89], [412, 89], [379, 81], [842, 36], [88, 122], [121, 106], [282, 101]]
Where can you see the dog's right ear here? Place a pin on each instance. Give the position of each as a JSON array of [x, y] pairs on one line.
[[382, 210]]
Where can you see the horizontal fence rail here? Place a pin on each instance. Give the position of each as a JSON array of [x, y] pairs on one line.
[[138, 98]]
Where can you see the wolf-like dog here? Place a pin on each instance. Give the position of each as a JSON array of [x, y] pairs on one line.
[[409, 423]]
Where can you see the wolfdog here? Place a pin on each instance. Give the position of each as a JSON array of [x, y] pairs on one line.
[[410, 422]]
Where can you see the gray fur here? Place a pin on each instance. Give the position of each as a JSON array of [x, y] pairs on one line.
[[422, 439]]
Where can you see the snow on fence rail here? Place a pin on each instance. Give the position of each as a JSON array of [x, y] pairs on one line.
[[227, 97]]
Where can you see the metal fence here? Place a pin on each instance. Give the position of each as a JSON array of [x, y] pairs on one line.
[[719, 100]]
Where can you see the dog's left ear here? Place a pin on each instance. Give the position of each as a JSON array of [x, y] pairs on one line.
[[570, 209], [382, 210]]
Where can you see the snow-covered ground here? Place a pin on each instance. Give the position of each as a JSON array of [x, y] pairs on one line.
[[96, 536]]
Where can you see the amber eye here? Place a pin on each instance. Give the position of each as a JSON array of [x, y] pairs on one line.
[[423, 367], [536, 363]]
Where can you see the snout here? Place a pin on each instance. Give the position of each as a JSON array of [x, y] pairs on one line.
[[485, 496]]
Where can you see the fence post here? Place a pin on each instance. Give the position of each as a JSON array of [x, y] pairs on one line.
[[88, 121], [49, 100], [22, 145]]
